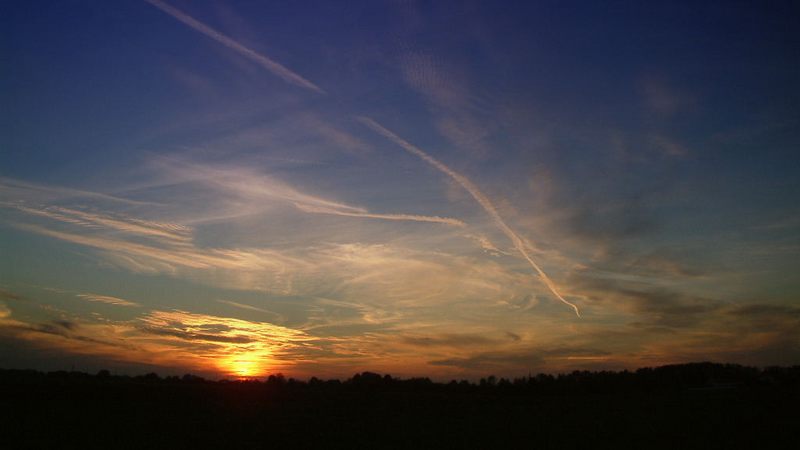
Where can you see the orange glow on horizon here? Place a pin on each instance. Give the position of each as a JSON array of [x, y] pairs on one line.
[[246, 364]]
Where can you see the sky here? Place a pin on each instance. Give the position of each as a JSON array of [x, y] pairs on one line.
[[442, 189]]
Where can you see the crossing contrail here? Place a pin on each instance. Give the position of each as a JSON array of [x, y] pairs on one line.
[[476, 193]]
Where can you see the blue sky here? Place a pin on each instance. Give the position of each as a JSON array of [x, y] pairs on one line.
[[238, 188]]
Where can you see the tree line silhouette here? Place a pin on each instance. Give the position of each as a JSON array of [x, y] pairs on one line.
[[698, 405], [698, 376]]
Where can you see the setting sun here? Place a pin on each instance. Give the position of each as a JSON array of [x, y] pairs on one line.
[[245, 367]]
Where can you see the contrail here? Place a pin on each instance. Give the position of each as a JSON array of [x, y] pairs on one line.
[[476, 194], [293, 78], [273, 66], [403, 217]]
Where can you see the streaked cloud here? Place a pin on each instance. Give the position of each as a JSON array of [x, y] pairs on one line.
[[668, 146], [108, 300], [169, 231], [363, 275], [458, 113], [255, 188], [278, 317], [12, 188], [406, 217], [663, 98]]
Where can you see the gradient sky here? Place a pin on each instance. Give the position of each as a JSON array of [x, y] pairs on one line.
[[419, 188]]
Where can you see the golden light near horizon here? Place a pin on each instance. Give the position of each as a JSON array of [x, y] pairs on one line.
[[232, 347], [249, 361], [245, 366]]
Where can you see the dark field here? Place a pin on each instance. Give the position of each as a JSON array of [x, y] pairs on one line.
[[687, 406]]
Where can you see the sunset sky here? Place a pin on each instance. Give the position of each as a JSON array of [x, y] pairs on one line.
[[443, 189]]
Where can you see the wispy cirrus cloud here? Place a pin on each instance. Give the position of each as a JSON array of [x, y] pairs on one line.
[[14, 188], [246, 307], [256, 188], [256, 269], [108, 299], [368, 215], [457, 111], [339, 267], [160, 230], [663, 98]]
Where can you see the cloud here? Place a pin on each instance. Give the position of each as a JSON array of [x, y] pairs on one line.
[[276, 68], [662, 263], [169, 231], [479, 197], [664, 99], [790, 222], [107, 299], [766, 310], [492, 362], [158, 246], [243, 347], [750, 333], [486, 244], [606, 222], [13, 188], [60, 325], [766, 318], [457, 114], [8, 295], [275, 315], [242, 181], [367, 273], [331, 313], [207, 343], [402, 217], [249, 269], [651, 305], [425, 73], [449, 340], [413, 279], [334, 135], [521, 302], [255, 188], [513, 336], [517, 361], [668, 146]]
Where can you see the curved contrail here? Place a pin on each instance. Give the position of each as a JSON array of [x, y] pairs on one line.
[[476, 194]]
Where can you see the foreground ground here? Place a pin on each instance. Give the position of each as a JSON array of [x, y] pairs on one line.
[[690, 406]]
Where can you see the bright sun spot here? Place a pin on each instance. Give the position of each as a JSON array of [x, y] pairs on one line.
[[244, 367]]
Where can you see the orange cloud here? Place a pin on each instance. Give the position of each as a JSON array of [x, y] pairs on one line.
[[178, 339]]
